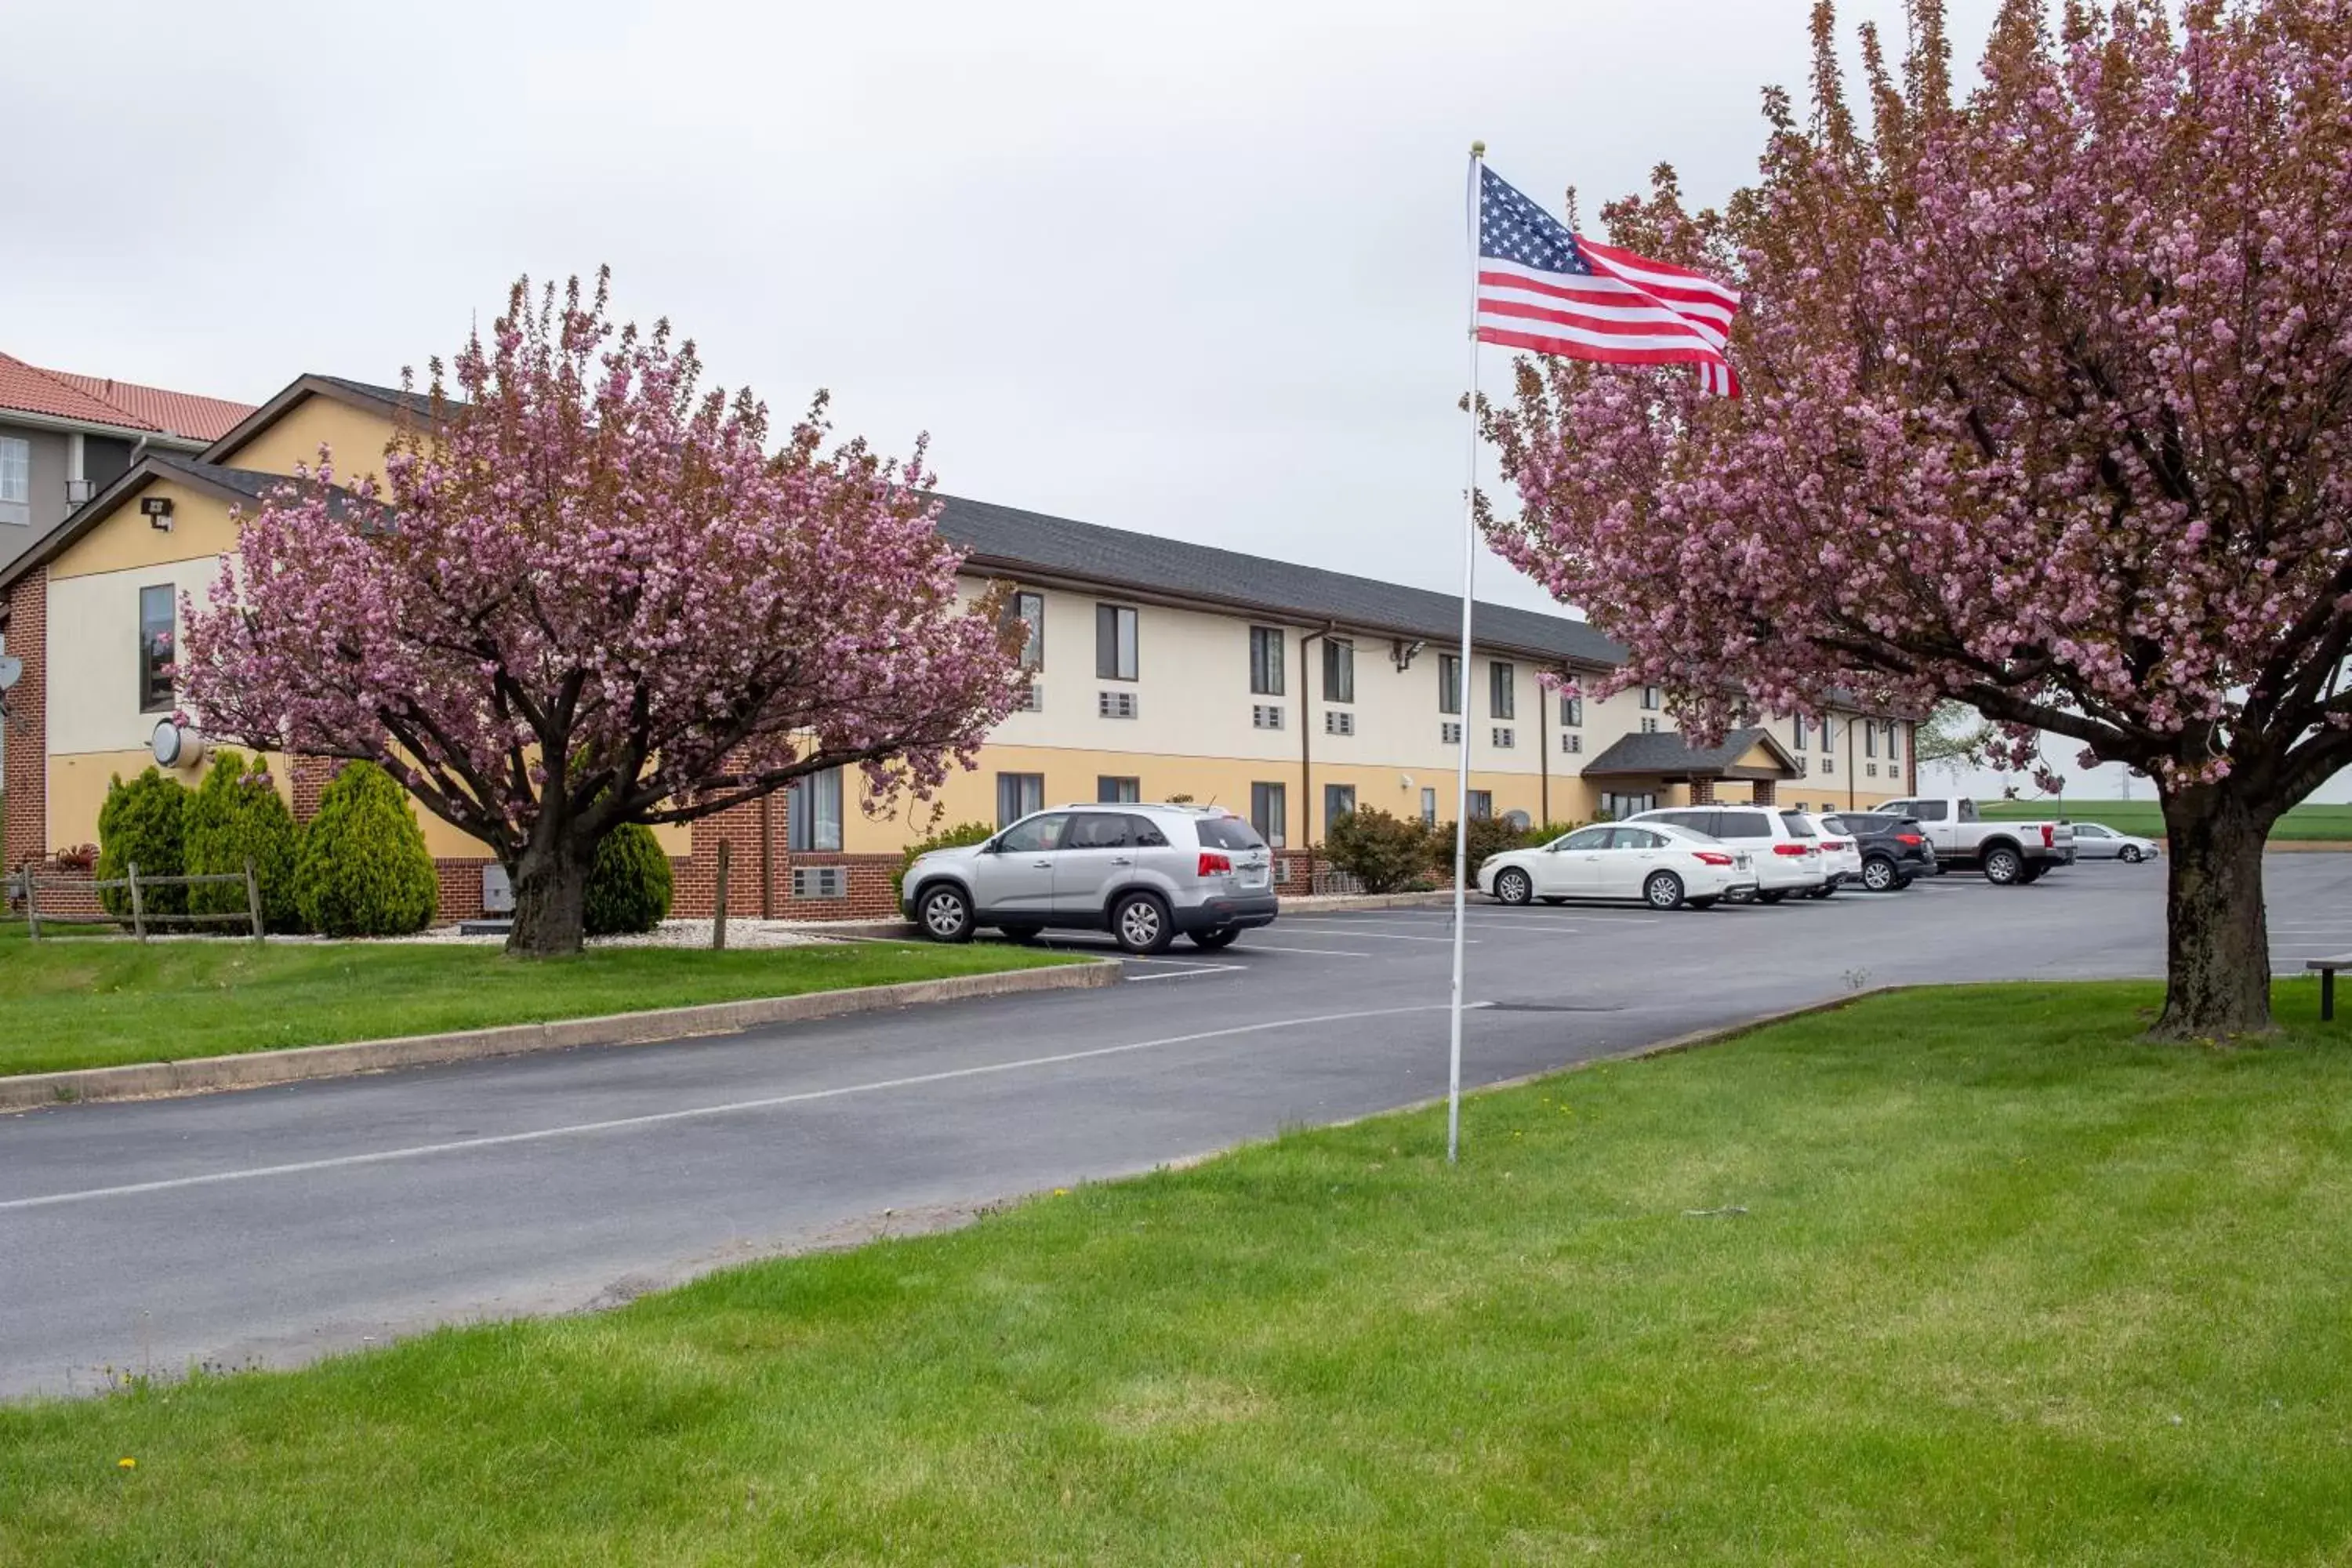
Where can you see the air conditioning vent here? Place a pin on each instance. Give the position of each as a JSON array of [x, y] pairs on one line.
[[1829, 765], [1871, 768], [1571, 744], [1338, 722], [1448, 733], [1503, 739], [820, 882], [1115, 704], [1034, 701], [1266, 715]]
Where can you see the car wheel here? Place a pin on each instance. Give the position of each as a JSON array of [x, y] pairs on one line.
[[1663, 890], [2003, 865], [2131, 854], [1140, 924], [1214, 939], [1878, 874], [1513, 886], [1022, 934], [946, 914], [1772, 895]]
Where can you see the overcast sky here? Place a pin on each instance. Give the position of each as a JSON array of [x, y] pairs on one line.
[[1199, 273]]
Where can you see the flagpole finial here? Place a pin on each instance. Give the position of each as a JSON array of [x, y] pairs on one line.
[[1478, 149]]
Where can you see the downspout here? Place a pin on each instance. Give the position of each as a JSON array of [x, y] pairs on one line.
[[1307, 747], [1543, 740], [1849, 764]]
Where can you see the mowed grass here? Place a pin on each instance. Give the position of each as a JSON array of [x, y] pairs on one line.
[[2305, 824], [84, 1001], [1961, 1275]]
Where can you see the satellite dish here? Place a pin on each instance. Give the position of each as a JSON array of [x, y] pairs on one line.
[[12, 671]]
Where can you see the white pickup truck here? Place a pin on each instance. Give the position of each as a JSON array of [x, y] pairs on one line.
[[2006, 852]]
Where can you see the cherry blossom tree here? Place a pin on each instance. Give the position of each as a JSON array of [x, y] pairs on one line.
[[587, 595], [2049, 410]]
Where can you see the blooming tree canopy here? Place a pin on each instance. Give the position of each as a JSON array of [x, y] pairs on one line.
[[587, 595], [2049, 409]]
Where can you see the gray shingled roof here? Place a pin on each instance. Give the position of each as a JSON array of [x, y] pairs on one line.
[[1668, 752], [1003, 538]]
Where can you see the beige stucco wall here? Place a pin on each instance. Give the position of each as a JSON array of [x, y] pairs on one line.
[[355, 436]]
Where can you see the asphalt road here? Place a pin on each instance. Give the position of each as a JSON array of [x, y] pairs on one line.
[[273, 1225]]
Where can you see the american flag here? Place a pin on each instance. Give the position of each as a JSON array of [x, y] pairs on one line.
[[1543, 287]]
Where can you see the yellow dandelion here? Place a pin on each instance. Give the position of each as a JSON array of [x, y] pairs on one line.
[[126, 1463]]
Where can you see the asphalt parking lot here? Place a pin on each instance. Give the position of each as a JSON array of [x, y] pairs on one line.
[[272, 1225]]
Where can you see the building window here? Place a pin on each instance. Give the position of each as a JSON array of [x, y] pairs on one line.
[[1339, 801], [1114, 649], [158, 649], [1338, 722], [1618, 807], [1829, 733], [16, 480], [1652, 697], [1870, 739], [1505, 738], [1111, 791], [1449, 683], [1018, 795], [813, 813], [1115, 704], [1481, 804], [1027, 610], [1428, 807], [1502, 690], [1449, 733], [1269, 813], [1801, 729], [1338, 671], [1571, 744], [1649, 726], [1893, 740], [1265, 661], [1571, 712]]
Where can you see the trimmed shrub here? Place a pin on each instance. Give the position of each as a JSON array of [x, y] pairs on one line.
[[1543, 833], [1488, 836], [237, 816], [365, 869], [955, 838], [1380, 851], [629, 886], [140, 824]]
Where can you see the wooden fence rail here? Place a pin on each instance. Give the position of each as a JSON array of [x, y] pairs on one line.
[[136, 886]]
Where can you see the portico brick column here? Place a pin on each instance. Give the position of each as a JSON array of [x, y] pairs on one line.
[[1702, 792], [25, 836], [1766, 793]]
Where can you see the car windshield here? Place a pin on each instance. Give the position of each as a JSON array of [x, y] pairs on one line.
[[1228, 833], [1797, 824], [1834, 825]]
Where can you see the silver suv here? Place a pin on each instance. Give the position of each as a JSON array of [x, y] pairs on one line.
[[1144, 873]]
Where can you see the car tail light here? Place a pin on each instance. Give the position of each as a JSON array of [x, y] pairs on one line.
[[1913, 839], [1711, 857], [2049, 836], [1795, 850], [1215, 865], [1833, 843]]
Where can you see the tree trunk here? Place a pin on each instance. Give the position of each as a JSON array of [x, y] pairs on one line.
[[550, 894], [2218, 952]]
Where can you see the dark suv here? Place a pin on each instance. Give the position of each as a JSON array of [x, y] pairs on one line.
[[1895, 849]]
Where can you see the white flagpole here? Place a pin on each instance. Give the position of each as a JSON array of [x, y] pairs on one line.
[[1462, 680]]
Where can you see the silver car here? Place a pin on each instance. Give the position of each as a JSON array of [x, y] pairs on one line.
[[2097, 841], [1143, 873]]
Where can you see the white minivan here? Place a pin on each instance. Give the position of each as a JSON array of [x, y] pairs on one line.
[[1783, 845]]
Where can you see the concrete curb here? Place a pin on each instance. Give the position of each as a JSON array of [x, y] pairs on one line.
[[1323, 904], [255, 1069]]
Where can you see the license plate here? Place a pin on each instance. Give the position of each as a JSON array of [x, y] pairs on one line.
[[1253, 877]]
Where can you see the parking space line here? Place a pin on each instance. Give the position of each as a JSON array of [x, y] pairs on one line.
[[1311, 951], [1192, 971], [1378, 935]]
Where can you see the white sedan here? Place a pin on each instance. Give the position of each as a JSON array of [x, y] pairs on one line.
[[1652, 863], [2097, 841]]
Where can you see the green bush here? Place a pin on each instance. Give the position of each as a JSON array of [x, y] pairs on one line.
[[1543, 833], [1380, 851], [629, 886], [1488, 836], [365, 869], [235, 816], [139, 825], [955, 838]]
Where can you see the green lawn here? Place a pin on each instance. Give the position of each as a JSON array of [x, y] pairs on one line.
[[86, 1002], [2305, 824], [1967, 1275]]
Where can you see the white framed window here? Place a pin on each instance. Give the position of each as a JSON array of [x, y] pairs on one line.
[[1338, 722], [1482, 805], [1117, 657], [1449, 683], [1026, 609], [1018, 795], [1428, 807], [16, 480], [158, 648], [1502, 690], [812, 812], [1652, 697], [1339, 801], [1265, 661], [1338, 671], [1117, 789], [1571, 712], [1269, 813]]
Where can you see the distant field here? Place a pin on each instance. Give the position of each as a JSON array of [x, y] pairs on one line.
[[2305, 824]]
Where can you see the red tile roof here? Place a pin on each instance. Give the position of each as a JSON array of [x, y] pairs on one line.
[[126, 405]]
